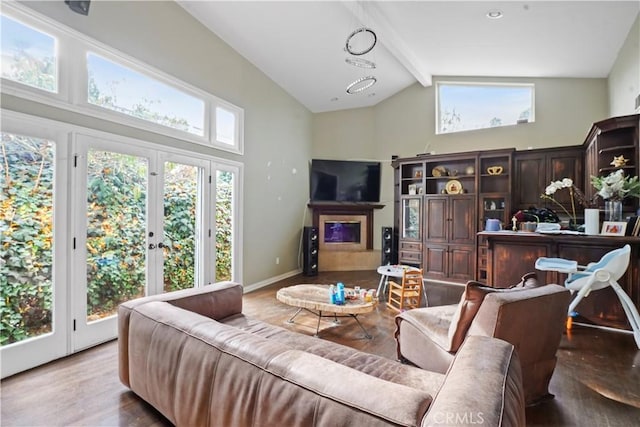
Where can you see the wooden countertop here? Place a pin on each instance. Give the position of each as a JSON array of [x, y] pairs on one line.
[[552, 237]]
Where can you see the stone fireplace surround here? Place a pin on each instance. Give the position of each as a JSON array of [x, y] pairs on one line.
[[351, 255]]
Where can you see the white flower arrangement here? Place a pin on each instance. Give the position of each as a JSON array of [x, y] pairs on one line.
[[616, 186], [574, 192]]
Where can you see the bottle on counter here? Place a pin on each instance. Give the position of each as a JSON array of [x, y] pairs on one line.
[[332, 294], [340, 294]]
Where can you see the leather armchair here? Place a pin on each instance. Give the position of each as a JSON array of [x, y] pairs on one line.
[[532, 318]]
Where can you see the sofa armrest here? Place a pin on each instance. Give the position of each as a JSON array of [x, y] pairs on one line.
[[216, 301], [483, 386]]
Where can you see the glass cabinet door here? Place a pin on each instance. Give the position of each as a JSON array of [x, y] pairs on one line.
[[411, 218]]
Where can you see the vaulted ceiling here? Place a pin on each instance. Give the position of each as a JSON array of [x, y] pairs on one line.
[[300, 45]]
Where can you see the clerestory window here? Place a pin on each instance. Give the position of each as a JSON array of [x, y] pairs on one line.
[[471, 106]]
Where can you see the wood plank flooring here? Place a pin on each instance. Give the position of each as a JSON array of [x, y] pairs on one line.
[[596, 382]]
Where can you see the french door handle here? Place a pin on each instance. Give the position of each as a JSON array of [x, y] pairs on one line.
[[152, 246], [161, 245]]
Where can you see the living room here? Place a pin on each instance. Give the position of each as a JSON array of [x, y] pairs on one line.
[[281, 135]]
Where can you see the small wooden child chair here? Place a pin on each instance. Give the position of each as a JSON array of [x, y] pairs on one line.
[[408, 294]]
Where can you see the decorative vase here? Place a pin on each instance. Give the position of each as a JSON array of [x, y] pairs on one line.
[[613, 210], [592, 221]]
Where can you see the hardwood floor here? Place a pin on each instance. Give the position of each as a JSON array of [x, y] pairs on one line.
[[596, 382]]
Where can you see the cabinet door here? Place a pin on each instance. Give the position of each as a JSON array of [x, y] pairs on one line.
[[564, 164], [530, 179], [411, 229], [462, 214], [461, 262], [435, 261], [436, 215]]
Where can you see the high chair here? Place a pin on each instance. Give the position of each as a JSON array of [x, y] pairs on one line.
[[408, 294], [596, 276]]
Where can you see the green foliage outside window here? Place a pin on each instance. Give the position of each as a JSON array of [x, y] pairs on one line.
[[26, 230]]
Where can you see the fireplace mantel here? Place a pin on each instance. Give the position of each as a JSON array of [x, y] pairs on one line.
[[347, 208]]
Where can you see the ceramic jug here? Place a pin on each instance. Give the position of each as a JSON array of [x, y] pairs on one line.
[[493, 225]]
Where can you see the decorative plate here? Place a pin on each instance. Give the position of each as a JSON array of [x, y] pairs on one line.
[[453, 187], [439, 171]]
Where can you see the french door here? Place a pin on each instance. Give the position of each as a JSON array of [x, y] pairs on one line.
[[141, 228], [89, 220], [33, 244]]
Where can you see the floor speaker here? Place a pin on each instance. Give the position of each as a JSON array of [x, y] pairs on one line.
[[387, 246], [310, 251]]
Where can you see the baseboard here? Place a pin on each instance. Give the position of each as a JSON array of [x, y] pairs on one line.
[[261, 284]]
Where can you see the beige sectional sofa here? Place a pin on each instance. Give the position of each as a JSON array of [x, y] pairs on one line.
[[198, 360]]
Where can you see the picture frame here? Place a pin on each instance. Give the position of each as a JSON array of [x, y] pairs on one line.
[[613, 228], [413, 189]]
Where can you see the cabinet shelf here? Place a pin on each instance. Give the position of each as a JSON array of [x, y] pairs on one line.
[[486, 175], [446, 178], [616, 148], [612, 168]]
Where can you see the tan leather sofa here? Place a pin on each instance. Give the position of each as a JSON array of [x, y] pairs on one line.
[[530, 317], [198, 360]]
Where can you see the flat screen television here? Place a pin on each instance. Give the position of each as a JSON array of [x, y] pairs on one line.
[[344, 181]]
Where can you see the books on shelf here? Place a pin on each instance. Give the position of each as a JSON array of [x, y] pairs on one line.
[[633, 226]]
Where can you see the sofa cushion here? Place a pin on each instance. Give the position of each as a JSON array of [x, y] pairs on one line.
[[370, 364], [470, 303]]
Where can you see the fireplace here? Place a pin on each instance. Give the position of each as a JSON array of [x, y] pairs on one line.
[[345, 236], [343, 232]]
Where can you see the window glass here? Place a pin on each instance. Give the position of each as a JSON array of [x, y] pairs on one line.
[[121, 89], [225, 126], [464, 106], [224, 225], [28, 56], [26, 226]]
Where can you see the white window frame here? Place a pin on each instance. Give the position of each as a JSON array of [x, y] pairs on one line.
[[481, 84], [72, 49]]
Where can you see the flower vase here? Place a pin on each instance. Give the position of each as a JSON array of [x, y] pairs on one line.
[[613, 210], [592, 221]]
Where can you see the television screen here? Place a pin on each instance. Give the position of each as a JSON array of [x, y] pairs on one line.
[[345, 181]]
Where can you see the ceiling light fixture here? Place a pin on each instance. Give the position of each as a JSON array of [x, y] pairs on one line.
[[359, 62], [361, 84], [494, 14], [362, 31]]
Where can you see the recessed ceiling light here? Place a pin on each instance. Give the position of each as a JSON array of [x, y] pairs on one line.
[[494, 14]]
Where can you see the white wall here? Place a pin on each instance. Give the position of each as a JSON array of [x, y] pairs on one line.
[[624, 78], [277, 127]]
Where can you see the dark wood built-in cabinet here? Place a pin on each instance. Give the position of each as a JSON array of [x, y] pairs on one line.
[[614, 137], [437, 208], [442, 202]]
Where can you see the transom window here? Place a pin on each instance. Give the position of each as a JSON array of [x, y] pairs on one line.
[[28, 56], [123, 89], [471, 106]]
